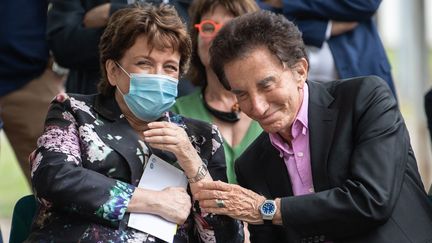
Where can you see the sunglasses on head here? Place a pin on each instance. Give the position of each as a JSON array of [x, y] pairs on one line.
[[208, 28]]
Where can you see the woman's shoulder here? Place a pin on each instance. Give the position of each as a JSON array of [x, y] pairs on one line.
[[74, 99], [74, 104]]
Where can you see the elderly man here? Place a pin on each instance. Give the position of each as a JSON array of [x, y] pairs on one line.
[[334, 163]]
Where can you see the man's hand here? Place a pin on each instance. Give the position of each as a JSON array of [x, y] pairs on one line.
[[239, 203], [97, 17], [339, 28]]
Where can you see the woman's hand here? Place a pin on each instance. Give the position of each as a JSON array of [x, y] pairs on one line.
[[170, 137], [172, 203], [175, 204], [238, 202]]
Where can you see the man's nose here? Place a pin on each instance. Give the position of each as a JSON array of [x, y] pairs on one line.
[[259, 106]]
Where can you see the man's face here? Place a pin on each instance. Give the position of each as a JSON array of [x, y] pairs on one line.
[[267, 91]]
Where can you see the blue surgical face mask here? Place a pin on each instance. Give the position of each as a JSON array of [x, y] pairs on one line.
[[150, 95]]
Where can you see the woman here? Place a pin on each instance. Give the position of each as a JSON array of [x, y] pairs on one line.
[[213, 103], [94, 149]]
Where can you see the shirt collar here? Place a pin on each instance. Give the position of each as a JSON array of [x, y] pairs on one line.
[[300, 124], [302, 115]]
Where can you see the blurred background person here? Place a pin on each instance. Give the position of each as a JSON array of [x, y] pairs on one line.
[[94, 148], [212, 102], [27, 81], [341, 37], [74, 30]]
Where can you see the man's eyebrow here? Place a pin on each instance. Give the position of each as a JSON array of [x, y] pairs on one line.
[[236, 91], [263, 82]]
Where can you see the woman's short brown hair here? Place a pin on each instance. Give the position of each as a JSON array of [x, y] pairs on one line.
[[196, 11], [162, 26]]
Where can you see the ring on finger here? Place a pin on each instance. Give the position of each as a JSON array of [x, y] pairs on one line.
[[220, 203]]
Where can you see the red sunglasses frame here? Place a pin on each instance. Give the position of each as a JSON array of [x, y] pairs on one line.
[[217, 27]]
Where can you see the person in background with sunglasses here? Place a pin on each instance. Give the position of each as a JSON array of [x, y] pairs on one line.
[[212, 103]]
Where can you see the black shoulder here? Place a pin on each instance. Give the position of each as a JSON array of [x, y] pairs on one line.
[[255, 149], [359, 84]]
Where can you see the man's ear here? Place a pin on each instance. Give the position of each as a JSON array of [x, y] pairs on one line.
[[301, 69], [112, 72]]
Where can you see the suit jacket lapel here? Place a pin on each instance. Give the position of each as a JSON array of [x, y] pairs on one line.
[[322, 123], [119, 135], [276, 173]]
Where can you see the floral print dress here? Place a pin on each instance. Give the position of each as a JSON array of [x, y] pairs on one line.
[[89, 161]]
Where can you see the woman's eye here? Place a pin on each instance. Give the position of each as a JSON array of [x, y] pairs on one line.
[[172, 68], [144, 63]]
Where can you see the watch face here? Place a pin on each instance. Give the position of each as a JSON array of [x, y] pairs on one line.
[[268, 208]]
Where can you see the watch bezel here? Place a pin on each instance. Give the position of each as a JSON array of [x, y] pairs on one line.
[[268, 216]]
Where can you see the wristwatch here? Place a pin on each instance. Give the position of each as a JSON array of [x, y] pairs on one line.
[[201, 173], [268, 210]]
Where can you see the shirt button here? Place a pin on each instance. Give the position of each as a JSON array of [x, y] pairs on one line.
[[311, 190], [300, 154]]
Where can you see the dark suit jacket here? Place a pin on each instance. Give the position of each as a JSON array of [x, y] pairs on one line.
[[368, 189], [356, 53], [89, 161]]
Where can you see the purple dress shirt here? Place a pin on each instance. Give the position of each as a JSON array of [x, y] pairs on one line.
[[297, 156]]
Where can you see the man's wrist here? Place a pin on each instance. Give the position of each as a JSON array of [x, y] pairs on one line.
[[277, 218]]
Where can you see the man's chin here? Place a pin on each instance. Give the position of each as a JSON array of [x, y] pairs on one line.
[[270, 128]]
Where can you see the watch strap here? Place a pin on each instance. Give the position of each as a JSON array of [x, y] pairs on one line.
[[268, 222]]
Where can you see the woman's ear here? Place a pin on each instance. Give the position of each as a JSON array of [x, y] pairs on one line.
[[112, 72]]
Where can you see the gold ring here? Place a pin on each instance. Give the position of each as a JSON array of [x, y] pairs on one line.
[[220, 203]]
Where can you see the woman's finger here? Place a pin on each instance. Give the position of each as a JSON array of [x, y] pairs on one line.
[[160, 124], [159, 132], [162, 140]]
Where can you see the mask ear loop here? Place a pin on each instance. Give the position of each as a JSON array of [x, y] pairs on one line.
[[118, 65]]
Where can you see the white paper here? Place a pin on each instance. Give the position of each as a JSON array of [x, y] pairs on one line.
[[157, 176]]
